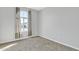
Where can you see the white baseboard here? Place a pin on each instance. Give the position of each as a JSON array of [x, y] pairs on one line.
[[19, 39], [26, 37], [59, 42]]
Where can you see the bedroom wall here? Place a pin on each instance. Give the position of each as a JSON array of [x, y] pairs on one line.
[[7, 21], [61, 25], [35, 18]]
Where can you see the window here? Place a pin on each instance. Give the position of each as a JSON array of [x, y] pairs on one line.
[[24, 20]]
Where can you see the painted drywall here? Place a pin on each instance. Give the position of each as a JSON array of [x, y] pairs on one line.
[[34, 20], [7, 24], [60, 24], [7, 19]]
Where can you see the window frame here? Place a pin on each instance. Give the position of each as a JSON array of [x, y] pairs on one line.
[[24, 23]]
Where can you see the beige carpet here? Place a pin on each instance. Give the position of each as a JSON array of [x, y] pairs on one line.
[[35, 44]]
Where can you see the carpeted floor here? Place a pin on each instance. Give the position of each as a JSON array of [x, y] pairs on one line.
[[34, 44]]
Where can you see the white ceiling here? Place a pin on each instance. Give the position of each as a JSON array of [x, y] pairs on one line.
[[37, 8]]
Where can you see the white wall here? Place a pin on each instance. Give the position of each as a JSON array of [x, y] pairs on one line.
[[7, 23], [7, 19], [61, 25], [35, 22]]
